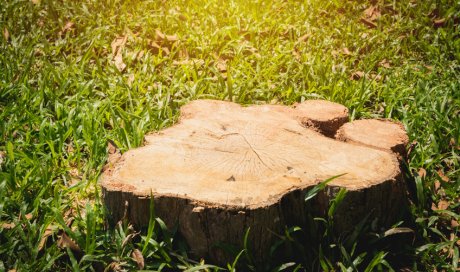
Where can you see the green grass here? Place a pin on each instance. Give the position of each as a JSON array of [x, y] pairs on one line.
[[62, 98]]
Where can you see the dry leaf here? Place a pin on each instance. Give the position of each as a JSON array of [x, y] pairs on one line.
[[442, 176], [66, 28], [118, 60], [6, 34], [357, 75], [192, 62], [370, 24], [345, 51], [137, 256], [165, 50], [385, 64], [375, 77], [437, 185], [7, 226], [139, 55], [28, 216], [65, 242], [130, 80], [304, 38], [154, 47], [172, 38], [296, 55], [422, 172], [128, 239], [118, 44], [442, 205], [113, 267], [221, 66], [439, 22], [114, 154], [372, 13], [114, 151], [2, 157], [454, 223], [452, 143], [47, 233], [36, 2], [159, 36], [182, 17]]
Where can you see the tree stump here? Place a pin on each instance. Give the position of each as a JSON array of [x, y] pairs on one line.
[[224, 168]]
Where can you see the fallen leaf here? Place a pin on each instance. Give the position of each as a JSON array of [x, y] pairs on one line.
[[372, 13], [221, 66], [46, 234], [113, 267], [118, 44], [113, 150], [128, 239], [454, 223], [65, 242], [191, 62], [139, 55], [159, 36], [422, 172], [137, 256], [296, 55], [368, 23], [69, 217], [357, 75], [156, 48], [452, 142], [172, 38], [6, 34], [411, 147], [2, 157], [28, 216], [130, 80], [182, 17], [375, 77], [442, 205], [439, 22], [385, 64], [345, 51], [165, 50], [437, 185], [245, 34], [7, 226], [442, 176], [36, 2], [304, 38], [398, 230], [118, 60], [66, 28], [41, 22]]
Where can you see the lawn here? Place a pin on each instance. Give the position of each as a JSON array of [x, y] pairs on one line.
[[75, 75]]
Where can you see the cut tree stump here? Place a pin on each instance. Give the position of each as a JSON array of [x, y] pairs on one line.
[[224, 168], [377, 133]]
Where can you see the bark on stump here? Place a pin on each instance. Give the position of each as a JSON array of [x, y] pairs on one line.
[[224, 168]]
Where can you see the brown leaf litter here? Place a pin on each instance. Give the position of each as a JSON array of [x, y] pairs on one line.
[[117, 47], [137, 256]]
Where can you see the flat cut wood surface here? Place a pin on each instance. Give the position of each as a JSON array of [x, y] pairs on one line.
[[226, 155]]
